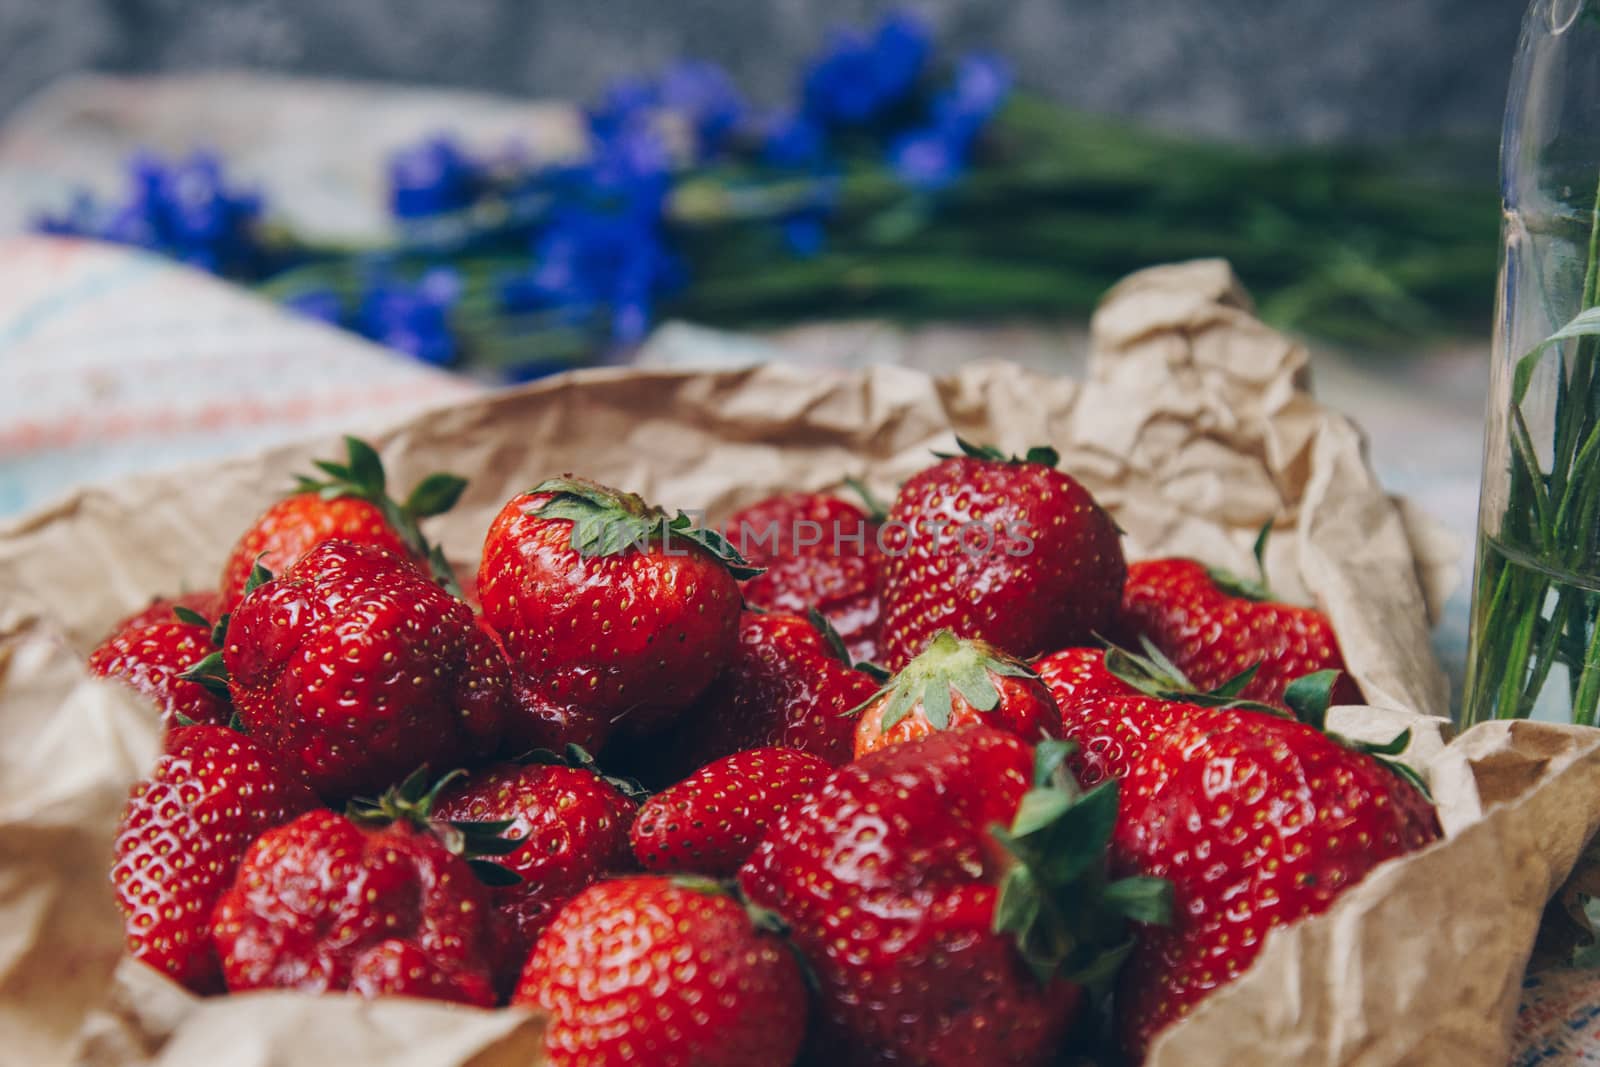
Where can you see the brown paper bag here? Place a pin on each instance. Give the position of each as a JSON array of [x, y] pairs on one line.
[[1194, 428]]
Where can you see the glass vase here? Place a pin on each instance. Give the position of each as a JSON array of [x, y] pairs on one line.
[[1535, 637]]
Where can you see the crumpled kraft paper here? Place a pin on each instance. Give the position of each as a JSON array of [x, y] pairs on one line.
[[1194, 428]]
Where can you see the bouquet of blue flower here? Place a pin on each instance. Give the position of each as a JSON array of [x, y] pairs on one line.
[[895, 184]]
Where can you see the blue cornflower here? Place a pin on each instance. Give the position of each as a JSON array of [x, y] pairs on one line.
[[928, 158], [412, 317], [704, 94], [624, 102], [794, 140], [982, 83], [432, 178], [185, 210], [857, 79], [590, 260]]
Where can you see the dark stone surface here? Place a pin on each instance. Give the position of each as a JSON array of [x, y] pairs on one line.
[[1303, 70]]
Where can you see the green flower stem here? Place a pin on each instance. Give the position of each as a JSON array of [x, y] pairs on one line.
[[1587, 698], [1551, 517]]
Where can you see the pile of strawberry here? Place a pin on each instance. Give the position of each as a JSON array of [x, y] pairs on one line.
[[374, 784]]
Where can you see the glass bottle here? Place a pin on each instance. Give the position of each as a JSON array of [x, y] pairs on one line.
[[1535, 637]]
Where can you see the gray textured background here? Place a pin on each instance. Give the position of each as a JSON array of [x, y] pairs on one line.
[[1307, 70]]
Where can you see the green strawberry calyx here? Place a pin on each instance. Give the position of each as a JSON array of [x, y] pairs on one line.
[[1057, 899], [835, 644], [1044, 455], [1254, 589], [948, 665], [877, 510], [578, 758], [209, 671], [362, 477], [1153, 674], [1310, 696], [411, 802], [609, 522]]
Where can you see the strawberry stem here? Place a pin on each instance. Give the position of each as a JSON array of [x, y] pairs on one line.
[[947, 663], [362, 477], [1069, 920], [608, 522], [1043, 455]]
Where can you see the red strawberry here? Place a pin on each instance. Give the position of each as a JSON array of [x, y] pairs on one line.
[[1009, 551], [204, 602], [356, 668], [572, 825], [937, 936], [801, 524], [1213, 626], [350, 504], [843, 589], [613, 614], [1113, 703], [1258, 822], [709, 822], [212, 793], [786, 685], [955, 684], [664, 971], [820, 553], [152, 659], [1074, 675], [327, 904]]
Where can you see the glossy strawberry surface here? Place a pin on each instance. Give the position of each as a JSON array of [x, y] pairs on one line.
[[709, 822], [1257, 822], [211, 794], [844, 589], [648, 970], [801, 524], [625, 640], [294, 526], [887, 877], [1017, 554], [355, 668], [573, 825], [324, 905], [150, 657], [1077, 674], [1212, 635], [784, 686]]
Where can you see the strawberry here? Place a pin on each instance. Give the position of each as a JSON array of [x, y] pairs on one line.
[[1076, 675], [154, 655], [843, 589], [801, 524], [1113, 703], [571, 823], [356, 668], [710, 821], [954, 684], [373, 903], [668, 972], [788, 684], [1214, 625], [1009, 551], [182, 833], [1258, 822], [937, 935], [820, 553], [204, 602], [350, 504], [613, 614]]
